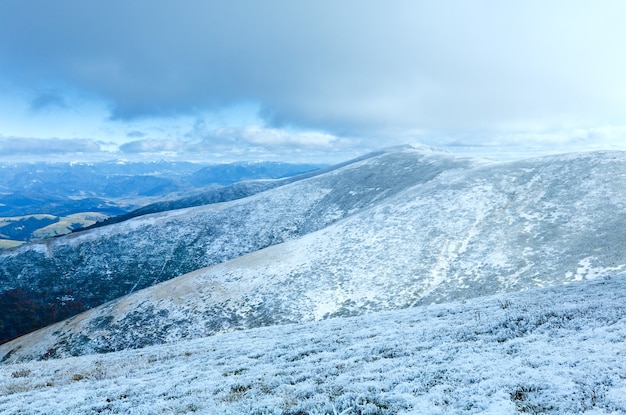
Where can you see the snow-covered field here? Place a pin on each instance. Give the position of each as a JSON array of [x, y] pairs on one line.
[[559, 350]]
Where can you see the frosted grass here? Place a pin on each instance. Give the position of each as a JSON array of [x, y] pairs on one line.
[[555, 351]]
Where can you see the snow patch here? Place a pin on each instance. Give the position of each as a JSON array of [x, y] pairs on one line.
[[586, 271]]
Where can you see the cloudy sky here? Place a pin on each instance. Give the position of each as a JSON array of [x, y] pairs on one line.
[[309, 80]]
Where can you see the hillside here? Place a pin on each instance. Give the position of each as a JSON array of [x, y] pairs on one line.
[[552, 351], [454, 235], [36, 195], [54, 279], [226, 193]]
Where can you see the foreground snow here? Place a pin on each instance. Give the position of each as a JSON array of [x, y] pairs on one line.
[[558, 350]]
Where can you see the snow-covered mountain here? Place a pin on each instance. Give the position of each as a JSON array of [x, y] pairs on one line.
[[554, 351], [47, 281], [405, 228]]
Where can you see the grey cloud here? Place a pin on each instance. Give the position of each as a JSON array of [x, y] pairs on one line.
[[47, 99], [347, 68], [10, 146], [135, 134]]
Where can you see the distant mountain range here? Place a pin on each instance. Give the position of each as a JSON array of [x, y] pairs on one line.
[[39, 200], [395, 229]]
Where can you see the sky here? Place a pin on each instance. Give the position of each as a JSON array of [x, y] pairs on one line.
[[309, 81]]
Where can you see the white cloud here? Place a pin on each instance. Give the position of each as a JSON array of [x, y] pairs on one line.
[[273, 137], [35, 146], [150, 146]]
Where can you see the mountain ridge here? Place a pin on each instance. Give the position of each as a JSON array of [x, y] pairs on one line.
[[82, 270], [460, 233], [111, 188], [227, 193]]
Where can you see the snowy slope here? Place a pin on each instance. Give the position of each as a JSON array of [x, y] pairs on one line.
[[86, 269], [558, 350], [462, 234]]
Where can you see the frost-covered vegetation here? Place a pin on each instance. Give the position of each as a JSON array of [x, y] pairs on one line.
[[559, 350], [457, 234], [408, 282], [103, 264]]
